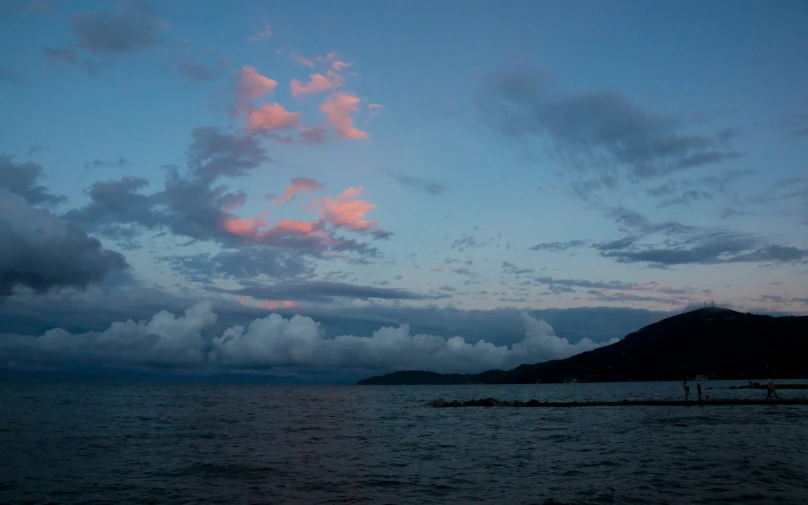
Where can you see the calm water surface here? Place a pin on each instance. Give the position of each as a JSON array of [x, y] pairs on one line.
[[80, 443]]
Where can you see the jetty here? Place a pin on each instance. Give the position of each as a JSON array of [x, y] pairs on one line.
[[493, 402]]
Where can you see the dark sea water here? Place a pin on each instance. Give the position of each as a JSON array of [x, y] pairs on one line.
[[148, 443]]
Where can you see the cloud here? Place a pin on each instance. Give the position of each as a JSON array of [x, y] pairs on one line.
[[163, 340], [510, 268], [265, 32], [686, 198], [558, 246], [321, 291], [316, 84], [605, 290], [309, 62], [683, 244], [306, 184], [192, 206], [346, 211], [707, 248], [244, 263], [120, 163], [467, 242], [194, 71], [705, 185], [375, 108], [338, 109], [432, 187], [251, 85], [134, 27], [297, 342], [622, 297], [40, 252], [272, 116], [213, 154], [597, 131], [69, 55], [784, 299], [21, 179], [339, 65], [10, 76]]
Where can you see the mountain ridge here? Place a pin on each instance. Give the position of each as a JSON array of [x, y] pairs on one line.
[[707, 341]]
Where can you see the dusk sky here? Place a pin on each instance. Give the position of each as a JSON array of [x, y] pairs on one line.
[[393, 162]]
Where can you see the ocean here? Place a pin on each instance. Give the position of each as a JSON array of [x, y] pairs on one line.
[[236, 444]]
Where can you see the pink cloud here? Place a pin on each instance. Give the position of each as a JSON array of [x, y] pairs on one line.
[[343, 211], [339, 65], [338, 108], [276, 304], [306, 184], [437, 269], [244, 227], [272, 116], [303, 60], [252, 85], [375, 108], [316, 84], [265, 32], [309, 62]]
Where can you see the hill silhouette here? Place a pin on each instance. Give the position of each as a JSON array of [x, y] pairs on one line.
[[710, 341]]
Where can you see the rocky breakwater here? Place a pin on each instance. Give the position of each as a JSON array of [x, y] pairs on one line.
[[493, 402], [485, 402]]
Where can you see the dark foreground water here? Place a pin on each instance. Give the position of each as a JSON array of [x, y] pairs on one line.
[[74, 443]]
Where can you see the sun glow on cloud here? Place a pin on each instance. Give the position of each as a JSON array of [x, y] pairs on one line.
[[344, 211]]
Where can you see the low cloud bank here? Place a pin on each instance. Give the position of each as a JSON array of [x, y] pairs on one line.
[[168, 341]]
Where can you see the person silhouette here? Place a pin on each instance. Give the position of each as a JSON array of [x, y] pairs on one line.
[[687, 389], [771, 391], [698, 390]]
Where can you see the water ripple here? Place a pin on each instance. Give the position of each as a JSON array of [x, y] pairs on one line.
[[84, 443]]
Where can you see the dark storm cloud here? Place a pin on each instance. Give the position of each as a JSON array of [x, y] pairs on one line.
[[40, 252], [558, 246], [432, 187], [134, 27], [10, 76], [21, 179], [119, 163], [598, 130], [321, 291], [246, 263], [195, 71]]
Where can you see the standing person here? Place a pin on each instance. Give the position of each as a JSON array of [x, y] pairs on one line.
[[687, 389], [771, 392], [698, 390]]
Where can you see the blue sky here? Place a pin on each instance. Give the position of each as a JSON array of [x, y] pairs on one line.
[[517, 156]]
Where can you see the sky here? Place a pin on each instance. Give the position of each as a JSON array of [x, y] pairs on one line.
[[343, 187]]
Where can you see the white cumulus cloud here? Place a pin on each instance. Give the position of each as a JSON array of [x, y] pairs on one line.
[[275, 341]]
